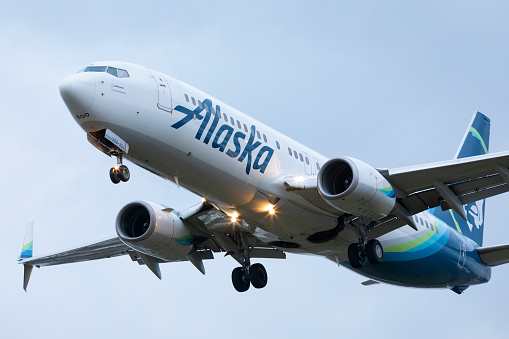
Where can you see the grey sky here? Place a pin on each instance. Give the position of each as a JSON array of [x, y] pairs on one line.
[[392, 84]]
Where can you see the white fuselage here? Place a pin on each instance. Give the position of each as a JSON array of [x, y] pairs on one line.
[[221, 154]]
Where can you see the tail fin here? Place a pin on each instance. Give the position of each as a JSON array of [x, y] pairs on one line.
[[475, 142], [27, 246]]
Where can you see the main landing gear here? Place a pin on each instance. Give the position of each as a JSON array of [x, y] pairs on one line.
[[358, 252], [243, 277], [120, 172]]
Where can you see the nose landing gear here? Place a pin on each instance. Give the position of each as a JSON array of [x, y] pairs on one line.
[[120, 172]]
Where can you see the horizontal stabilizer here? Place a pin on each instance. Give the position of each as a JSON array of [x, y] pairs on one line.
[[494, 255]]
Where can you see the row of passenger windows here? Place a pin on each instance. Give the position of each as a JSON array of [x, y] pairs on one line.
[[117, 72], [297, 156], [425, 223]]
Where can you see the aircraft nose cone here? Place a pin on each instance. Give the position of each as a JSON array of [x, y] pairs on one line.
[[78, 92]]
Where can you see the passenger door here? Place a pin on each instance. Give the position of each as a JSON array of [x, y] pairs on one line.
[[163, 90]]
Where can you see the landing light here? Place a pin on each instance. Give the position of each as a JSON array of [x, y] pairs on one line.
[[299, 179], [117, 167], [234, 216], [269, 208]]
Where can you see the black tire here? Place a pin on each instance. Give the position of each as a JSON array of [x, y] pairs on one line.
[[123, 173], [374, 252], [355, 256], [240, 284], [115, 178], [258, 276]]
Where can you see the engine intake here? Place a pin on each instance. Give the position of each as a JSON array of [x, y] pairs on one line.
[[354, 187], [154, 230], [135, 221]]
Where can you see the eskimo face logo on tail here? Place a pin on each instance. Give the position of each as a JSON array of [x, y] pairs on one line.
[[475, 214], [256, 157]]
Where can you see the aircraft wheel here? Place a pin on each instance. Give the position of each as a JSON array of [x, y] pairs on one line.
[[123, 173], [239, 281], [114, 175], [355, 256], [258, 276], [375, 252]]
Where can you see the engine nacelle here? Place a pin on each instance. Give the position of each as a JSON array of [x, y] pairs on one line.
[[354, 187], [154, 230]]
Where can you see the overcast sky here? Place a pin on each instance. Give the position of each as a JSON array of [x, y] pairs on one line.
[[391, 83]]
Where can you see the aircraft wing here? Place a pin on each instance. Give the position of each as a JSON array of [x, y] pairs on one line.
[[103, 249], [212, 233], [448, 184]]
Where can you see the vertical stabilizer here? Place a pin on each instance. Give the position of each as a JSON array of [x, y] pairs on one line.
[[475, 142], [27, 247]]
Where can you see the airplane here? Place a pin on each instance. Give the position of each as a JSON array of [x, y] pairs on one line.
[[264, 195]]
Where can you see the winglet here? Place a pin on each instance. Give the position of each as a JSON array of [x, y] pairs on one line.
[[27, 272], [27, 246], [26, 252]]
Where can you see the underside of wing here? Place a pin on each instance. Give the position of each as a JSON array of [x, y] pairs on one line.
[[99, 250], [468, 179]]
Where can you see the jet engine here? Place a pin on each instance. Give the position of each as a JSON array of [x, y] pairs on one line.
[[354, 187], [154, 230]]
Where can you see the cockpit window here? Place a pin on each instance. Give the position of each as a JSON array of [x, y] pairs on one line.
[[122, 73], [116, 72], [95, 69], [112, 71]]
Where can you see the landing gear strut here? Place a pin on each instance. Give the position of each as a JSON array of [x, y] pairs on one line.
[[243, 277], [120, 172], [358, 252]]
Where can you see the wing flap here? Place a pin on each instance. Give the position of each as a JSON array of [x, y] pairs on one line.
[[494, 255]]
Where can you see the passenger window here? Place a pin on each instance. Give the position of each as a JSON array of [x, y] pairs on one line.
[[194, 101], [238, 124], [277, 144], [232, 121], [317, 166], [122, 73], [295, 154], [225, 117], [187, 97], [307, 161], [212, 110], [422, 222], [264, 138], [289, 150], [258, 134], [207, 108], [201, 106], [301, 158], [427, 224], [112, 71], [245, 128]]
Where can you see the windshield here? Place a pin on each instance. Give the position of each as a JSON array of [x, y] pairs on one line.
[[116, 72]]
